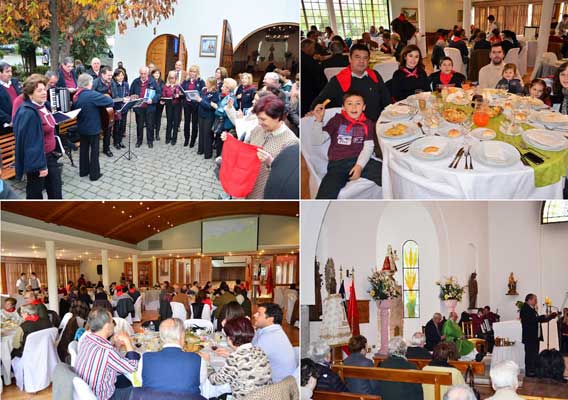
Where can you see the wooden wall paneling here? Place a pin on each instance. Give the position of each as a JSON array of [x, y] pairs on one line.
[[206, 270]]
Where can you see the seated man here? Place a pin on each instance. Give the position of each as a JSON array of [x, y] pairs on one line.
[[397, 360], [417, 349], [180, 296], [273, 341], [96, 350], [433, 332], [30, 298], [32, 323], [172, 369], [124, 303], [454, 333]]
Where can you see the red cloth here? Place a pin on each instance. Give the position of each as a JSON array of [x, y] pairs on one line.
[[36, 302], [446, 78], [345, 75], [33, 318], [239, 168], [408, 73], [16, 104], [68, 78], [269, 285], [352, 311], [12, 93], [11, 309], [352, 122]]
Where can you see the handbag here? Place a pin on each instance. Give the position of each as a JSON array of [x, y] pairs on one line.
[[218, 125]]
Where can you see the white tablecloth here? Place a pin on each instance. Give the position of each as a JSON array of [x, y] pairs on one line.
[[531, 52], [407, 177], [6, 350], [513, 331]]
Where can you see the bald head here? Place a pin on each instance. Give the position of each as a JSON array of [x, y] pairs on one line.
[[144, 71]]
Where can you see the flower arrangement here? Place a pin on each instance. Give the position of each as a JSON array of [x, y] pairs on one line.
[[519, 305], [450, 289], [383, 286]]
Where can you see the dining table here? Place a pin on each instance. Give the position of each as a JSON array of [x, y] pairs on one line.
[[428, 157]]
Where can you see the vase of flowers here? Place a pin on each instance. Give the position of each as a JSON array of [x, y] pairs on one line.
[[383, 289], [451, 292]]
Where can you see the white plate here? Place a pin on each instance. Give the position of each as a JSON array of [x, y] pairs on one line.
[[442, 142], [460, 98], [551, 118], [511, 155], [479, 133], [398, 111], [411, 129], [558, 143], [447, 128]]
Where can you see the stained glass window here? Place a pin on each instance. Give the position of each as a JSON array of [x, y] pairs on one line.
[[411, 279]]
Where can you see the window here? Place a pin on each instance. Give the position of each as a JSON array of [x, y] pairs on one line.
[[411, 282], [314, 12], [353, 17], [554, 211]]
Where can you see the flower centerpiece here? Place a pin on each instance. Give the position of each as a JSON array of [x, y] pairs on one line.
[[450, 289], [383, 286]]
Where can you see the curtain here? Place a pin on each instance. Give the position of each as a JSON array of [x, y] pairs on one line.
[[537, 10], [15, 266]]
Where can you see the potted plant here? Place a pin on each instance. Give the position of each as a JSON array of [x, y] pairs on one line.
[[450, 292]]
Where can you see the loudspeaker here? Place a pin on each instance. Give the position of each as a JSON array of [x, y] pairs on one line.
[[99, 269]]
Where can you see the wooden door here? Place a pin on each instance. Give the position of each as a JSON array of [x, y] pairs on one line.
[[226, 59], [156, 53], [144, 273], [182, 54]]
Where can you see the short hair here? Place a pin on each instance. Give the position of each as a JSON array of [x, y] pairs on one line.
[[67, 60], [505, 375], [397, 347], [336, 48], [248, 76], [231, 83], [529, 296], [224, 286], [482, 35], [551, 365], [510, 66], [171, 330], [418, 339], [98, 318], [442, 352], [272, 105], [274, 311], [352, 93], [308, 369], [460, 392], [386, 35], [239, 330], [446, 59], [491, 17], [437, 315], [564, 15], [4, 65], [50, 74], [360, 47], [306, 43], [497, 45], [196, 68], [273, 76], [212, 82], [11, 300], [318, 351], [84, 80], [556, 85], [30, 309], [223, 71], [95, 59], [105, 69], [30, 85], [357, 343]]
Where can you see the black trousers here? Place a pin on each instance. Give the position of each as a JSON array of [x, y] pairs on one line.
[[144, 115], [205, 145], [89, 157], [190, 117], [338, 175], [119, 129], [158, 120], [106, 138], [489, 338], [531, 357], [50, 183], [173, 116]]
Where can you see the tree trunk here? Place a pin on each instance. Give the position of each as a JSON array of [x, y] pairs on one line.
[[54, 35]]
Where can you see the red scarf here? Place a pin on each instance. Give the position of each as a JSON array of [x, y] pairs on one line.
[[33, 318], [36, 302], [410, 74], [446, 78], [77, 93], [360, 121], [344, 77], [11, 309], [456, 39], [132, 290]]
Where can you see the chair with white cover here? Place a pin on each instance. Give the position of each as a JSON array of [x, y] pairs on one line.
[[63, 325], [523, 59], [331, 72], [34, 370], [316, 161], [206, 312], [178, 310], [122, 325], [297, 354], [81, 390], [456, 57], [80, 322], [387, 69], [137, 310], [198, 323], [291, 299], [127, 319], [513, 56], [73, 348]]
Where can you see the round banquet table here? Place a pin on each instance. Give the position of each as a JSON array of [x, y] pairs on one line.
[[405, 176], [6, 349]]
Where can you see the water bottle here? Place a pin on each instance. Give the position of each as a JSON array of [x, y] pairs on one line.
[[151, 326]]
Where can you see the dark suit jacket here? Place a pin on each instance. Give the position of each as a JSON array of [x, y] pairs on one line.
[[418, 352], [530, 321], [399, 390], [313, 81], [433, 335], [329, 380], [6, 104], [363, 386], [336, 61], [171, 370]]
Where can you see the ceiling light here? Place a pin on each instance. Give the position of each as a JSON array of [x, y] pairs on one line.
[[170, 254], [141, 203], [113, 207], [148, 226], [103, 202], [130, 216], [158, 230], [116, 256], [158, 216], [122, 211]]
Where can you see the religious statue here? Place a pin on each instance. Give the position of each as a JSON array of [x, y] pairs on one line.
[[391, 258], [512, 285], [316, 310], [334, 327], [330, 282], [472, 289]]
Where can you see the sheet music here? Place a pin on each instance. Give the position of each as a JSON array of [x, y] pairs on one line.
[[60, 117], [130, 104]]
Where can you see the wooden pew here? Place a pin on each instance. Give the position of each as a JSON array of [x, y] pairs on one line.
[[478, 368], [437, 379], [8, 150], [323, 395]]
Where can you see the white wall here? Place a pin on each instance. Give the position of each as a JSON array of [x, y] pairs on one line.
[[116, 267], [194, 18], [439, 13]]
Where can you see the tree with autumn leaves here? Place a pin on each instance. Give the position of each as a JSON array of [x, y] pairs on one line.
[[65, 20]]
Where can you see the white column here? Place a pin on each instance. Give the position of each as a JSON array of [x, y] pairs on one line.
[[332, 19], [421, 41], [544, 30], [466, 16], [51, 275], [106, 272], [135, 269], [154, 271]]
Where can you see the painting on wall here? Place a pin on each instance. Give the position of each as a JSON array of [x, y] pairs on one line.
[[208, 47], [411, 14]]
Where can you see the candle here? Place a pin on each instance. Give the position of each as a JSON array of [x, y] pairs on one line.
[[547, 301]]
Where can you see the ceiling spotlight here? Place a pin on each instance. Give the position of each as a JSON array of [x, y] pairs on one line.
[[148, 226], [170, 254], [141, 203], [158, 216], [158, 230], [103, 202], [90, 259], [130, 216], [147, 208], [297, 215], [122, 211], [113, 207]]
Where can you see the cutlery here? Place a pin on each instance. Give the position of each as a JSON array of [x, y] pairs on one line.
[[468, 157], [420, 126], [401, 145], [555, 128], [529, 150], [523, 159], [458, 154], [459, 158], [384, 122]]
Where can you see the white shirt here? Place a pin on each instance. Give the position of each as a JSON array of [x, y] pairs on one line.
[[6, 84]]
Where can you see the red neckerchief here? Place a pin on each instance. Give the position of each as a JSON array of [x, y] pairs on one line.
[[360, 121], [345, 75], [32, 318], [36, 302], [456, 39], [409, 74], [11, 309], [77, 93], [446, 78]]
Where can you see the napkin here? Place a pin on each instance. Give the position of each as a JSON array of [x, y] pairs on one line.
[[548, 139], [494, 152], [398, 109]]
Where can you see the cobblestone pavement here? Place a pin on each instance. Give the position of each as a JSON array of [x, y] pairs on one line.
[[163, 172]]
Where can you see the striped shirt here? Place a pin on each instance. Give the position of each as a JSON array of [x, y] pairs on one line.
[[98, 364]]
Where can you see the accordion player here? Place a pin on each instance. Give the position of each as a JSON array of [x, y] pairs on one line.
[[60, 99]]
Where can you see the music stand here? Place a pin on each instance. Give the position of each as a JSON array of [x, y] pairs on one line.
[[128, 154]]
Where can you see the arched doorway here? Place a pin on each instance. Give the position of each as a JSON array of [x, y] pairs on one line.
[[276, 43], [165, 50]]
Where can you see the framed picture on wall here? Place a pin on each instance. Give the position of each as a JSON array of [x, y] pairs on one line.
[[411, 14], [208, 46]]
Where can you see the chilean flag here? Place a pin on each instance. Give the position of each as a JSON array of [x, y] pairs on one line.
[[352, 312]]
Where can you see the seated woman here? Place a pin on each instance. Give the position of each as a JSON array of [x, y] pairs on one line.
[[551, 366], [439, 363], [358, 349], [410, 75], [397, 360], [247, 368], [328, 380], [417, 349], [454, 333], [560, 88], [446, 75]]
